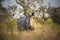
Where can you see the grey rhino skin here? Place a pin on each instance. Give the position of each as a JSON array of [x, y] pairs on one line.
[[24, 23]]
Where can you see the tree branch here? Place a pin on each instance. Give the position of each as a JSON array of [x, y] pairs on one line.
[[19, 4]]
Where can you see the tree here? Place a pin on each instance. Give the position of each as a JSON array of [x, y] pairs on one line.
[[12, 10], [27, 4], [55, 14], [43, 11]]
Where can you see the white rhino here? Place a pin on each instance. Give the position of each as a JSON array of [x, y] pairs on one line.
[[24, 23]]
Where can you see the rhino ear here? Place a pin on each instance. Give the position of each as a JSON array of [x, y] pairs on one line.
[[33, 14]]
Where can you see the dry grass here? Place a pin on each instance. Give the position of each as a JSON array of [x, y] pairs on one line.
[[41, 32]]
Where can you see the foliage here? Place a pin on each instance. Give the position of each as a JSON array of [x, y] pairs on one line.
[[54, 12], [7, 24], [38, 20], [7, 28], [43, 11]]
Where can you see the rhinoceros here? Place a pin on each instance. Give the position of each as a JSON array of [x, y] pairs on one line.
[[24, 22]]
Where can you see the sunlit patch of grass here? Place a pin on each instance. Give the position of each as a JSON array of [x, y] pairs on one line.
[[49, 21]]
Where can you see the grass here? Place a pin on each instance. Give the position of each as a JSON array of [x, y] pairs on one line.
[[46, 31]]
